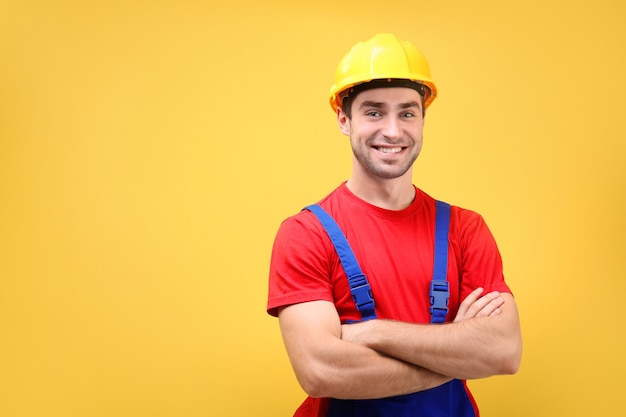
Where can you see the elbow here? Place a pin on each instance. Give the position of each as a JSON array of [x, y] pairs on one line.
[[312, 388], [510, 366], [314, 384], [515, 361], [511, 359]]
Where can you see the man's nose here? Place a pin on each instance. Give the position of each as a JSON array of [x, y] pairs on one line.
[[391, 128]]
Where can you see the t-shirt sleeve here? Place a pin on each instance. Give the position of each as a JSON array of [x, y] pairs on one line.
[[300, 264], [481, 260]]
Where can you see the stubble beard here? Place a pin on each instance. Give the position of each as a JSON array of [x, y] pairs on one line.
[[382, 169]]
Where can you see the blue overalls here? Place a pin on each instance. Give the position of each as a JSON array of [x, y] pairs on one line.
[[447, 400]]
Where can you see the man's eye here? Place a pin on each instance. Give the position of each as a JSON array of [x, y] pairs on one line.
[[408, 115], [372, 113]]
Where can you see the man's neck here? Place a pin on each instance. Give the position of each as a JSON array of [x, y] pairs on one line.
[[393, 194]]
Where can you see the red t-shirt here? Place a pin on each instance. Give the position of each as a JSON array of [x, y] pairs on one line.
[[395, 250]]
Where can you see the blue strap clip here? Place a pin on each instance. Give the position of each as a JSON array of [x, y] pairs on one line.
[[439, 296], [362, 295]]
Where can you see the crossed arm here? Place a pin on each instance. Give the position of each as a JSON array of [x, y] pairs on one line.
[[382, 358]]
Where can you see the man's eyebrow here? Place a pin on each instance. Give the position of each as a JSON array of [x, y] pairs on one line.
[[371, 103], [410, 104], [380, 105]]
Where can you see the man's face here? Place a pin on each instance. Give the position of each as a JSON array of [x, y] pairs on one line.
[[385, 131]]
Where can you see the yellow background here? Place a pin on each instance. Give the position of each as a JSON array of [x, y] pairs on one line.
[[150, 149]]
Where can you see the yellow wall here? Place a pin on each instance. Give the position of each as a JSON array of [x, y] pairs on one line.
[[149, 150]]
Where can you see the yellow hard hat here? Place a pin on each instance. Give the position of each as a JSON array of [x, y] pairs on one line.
[[382, 57]]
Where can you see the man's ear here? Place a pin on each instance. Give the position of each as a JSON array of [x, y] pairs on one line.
[[343, 121]]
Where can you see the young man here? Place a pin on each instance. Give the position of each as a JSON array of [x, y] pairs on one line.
[[379, 352]]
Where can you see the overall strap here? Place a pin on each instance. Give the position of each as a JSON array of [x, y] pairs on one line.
[[439, 286], [359, 286]]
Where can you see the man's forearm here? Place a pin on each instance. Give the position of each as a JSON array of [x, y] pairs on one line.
[[327, 366], [470, 349], [367, 375]]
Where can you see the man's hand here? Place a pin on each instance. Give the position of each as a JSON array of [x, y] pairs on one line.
[[476, 306], [357, 332]]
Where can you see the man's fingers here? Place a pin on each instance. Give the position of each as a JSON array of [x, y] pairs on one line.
[[491, 306], [467, 303], [476, 306]]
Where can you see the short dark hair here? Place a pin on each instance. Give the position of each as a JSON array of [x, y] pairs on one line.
[[348, 96]]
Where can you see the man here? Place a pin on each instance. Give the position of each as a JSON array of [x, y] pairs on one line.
[[390, 360]]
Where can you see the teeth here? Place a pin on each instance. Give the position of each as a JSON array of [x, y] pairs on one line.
[[390, 150]]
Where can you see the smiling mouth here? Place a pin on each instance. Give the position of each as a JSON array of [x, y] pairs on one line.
[[389, 150]]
